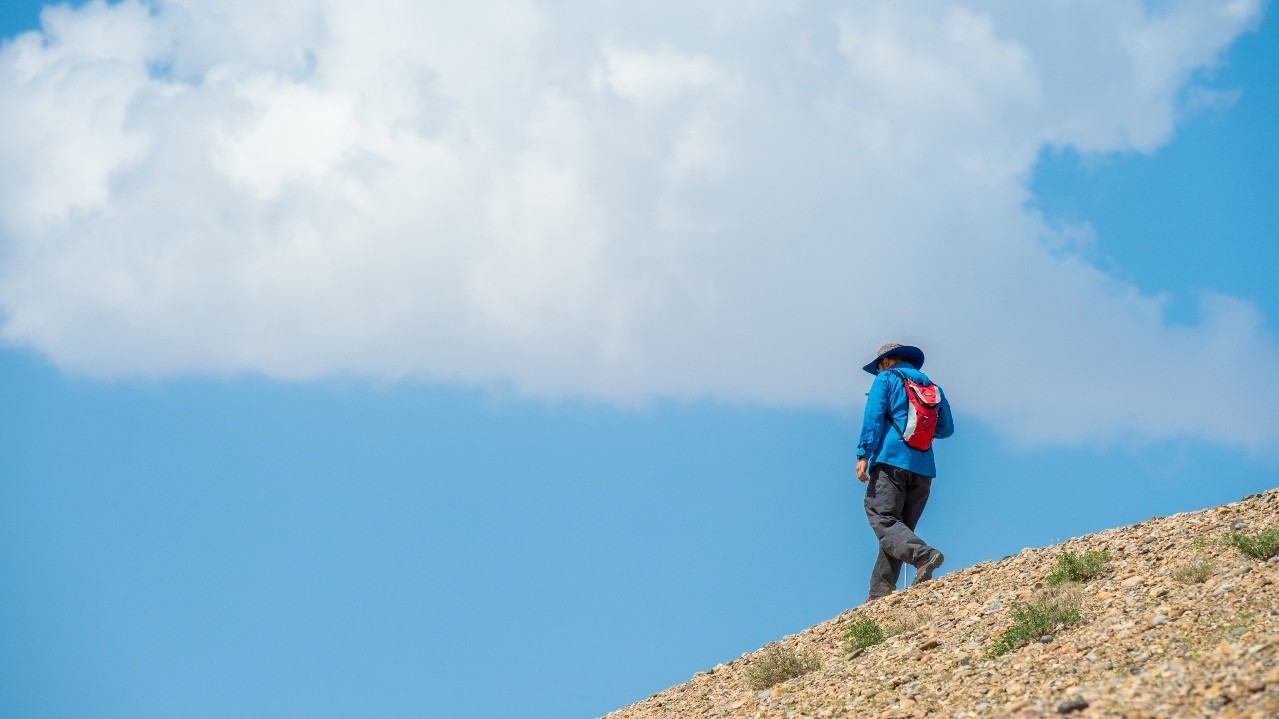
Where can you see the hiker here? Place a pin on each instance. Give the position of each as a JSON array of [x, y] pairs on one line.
[[895, 461]]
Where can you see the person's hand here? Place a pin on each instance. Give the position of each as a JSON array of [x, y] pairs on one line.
[[861, 470]]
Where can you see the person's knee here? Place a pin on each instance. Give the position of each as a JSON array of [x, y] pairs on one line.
[[882, 524]]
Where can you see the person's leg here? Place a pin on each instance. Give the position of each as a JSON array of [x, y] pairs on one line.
[[884, 501], [886, 504], [915, 497], [883, 576]]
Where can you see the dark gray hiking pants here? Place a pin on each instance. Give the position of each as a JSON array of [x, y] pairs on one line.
[[895, 499]]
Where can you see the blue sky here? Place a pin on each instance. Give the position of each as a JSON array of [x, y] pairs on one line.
[[527, 383]]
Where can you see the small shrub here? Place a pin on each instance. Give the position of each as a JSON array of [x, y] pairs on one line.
[[1032, 621], [862, 633], [1072, 567], [903, 620], [777, 664], [1258, 545], [1068, 596], [1195, 572]]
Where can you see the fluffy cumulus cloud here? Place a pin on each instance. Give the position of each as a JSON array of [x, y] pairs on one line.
[[727, 199]]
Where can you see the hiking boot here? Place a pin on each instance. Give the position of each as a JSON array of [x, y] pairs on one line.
[[871, 598], [924, 570]]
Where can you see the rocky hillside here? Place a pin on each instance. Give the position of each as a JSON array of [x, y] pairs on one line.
[[1177, 621]]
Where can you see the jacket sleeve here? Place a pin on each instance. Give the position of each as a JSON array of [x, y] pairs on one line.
[[874, 419], [945, 423]]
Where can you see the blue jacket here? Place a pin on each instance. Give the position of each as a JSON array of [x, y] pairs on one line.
[[880, 441]]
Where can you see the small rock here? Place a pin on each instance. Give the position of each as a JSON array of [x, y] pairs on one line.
[[1255, 687], [1241, 570], [764, 695], [1273, 560], [1158, 620], [1141, 657], [981, 706], [1072, 705], [1223, 588], [1046, 639], [1090, 656], [1131, 582], [1238, 526], [928, 644]]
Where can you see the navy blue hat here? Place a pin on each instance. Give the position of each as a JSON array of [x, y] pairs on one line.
[[913, 355]]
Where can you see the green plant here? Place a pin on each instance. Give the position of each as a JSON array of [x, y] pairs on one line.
[[1258, 545], [1193, 572], [1072, 567], [862, 633], [777, 664], [1033, 620]]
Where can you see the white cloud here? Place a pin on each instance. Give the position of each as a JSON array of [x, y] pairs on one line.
[[700, 199], [650, 79]]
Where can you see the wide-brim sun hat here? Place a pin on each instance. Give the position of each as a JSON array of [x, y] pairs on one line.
[[913, 355]]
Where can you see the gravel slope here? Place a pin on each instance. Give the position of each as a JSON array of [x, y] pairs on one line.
[[1153, 642]]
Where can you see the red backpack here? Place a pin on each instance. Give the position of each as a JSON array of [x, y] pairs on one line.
[[921, 413]]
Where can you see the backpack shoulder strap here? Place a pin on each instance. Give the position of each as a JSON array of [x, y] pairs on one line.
[[889, 414], [928, 382]]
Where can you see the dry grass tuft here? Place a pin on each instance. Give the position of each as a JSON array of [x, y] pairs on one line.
[[901, 620], [1195, 572], [776, 664]]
